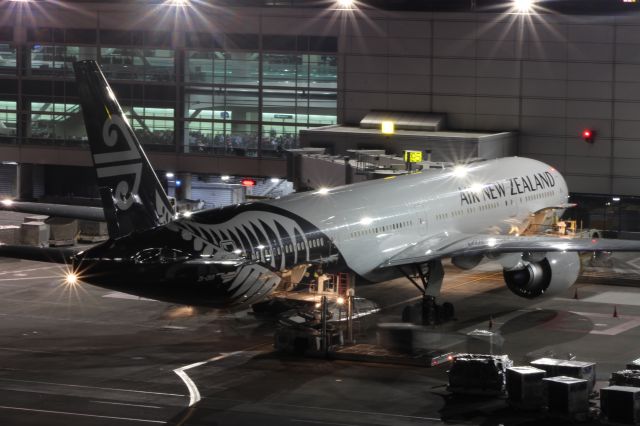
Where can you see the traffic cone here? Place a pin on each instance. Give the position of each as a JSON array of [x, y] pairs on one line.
[[490, 322], [575, 295], [615, 312]]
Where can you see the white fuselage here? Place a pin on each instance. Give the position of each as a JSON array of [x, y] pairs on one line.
[[371, 221]]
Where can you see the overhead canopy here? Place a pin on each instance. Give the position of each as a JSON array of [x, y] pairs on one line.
[[404, 120]]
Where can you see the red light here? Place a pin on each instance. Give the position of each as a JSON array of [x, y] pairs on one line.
[[588, 135], [248, 182]]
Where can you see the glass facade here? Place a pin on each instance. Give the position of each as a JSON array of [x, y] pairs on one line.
[[56, 122], [8, 59], [155, 65], [8, 121], [57, 60], [153, 126], [247, 103], [220, 94]]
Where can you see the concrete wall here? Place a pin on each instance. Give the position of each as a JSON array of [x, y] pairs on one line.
[[544, 76]]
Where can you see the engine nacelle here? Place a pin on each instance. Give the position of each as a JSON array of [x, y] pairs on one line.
[[552, 275], [467, 262]]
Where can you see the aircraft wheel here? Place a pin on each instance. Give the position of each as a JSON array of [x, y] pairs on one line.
[[449, 312], [412, 314]]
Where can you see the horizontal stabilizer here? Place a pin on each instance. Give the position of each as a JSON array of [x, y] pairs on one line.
[[40, 254], [58, 210]]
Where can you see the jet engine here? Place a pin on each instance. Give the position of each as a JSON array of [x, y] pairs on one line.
[[534, 276], [467, 262]]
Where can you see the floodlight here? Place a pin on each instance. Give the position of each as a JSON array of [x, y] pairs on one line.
[[388, 127], [225, 178], [323, 191], [523, 6], [169, 175], [345, 4]]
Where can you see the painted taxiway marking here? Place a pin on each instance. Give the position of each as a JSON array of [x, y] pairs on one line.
[[29, 270], [67, 413], [118, 295], [194, 393], [28, 278], [127, 405], [340, 410], [91, 387], [634, 262], [27, 350], [626, 323], [615, 298]]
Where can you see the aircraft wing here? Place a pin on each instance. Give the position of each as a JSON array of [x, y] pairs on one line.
[[450, 245], [59, 210]]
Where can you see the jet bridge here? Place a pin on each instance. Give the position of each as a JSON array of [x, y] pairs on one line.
[[412, 131]]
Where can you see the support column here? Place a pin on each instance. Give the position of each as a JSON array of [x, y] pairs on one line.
[[24, 182], [183, 191]]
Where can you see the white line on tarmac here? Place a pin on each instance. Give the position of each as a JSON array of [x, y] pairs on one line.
[[29, 270], [194, 393], [27, 278], [92, 387], [128, 405], [26, 350], [340, 410], [66, 413]]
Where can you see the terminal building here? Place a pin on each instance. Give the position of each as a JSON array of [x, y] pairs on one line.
[[226, 89]]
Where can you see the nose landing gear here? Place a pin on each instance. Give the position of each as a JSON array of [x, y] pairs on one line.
[[428, 312]]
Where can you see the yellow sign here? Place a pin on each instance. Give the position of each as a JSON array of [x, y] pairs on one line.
[[413, 156], [388, 127]]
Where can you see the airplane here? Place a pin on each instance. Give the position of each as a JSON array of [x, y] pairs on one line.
[[236, 256]]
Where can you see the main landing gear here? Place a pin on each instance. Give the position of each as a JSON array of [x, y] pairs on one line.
[[428, 312]]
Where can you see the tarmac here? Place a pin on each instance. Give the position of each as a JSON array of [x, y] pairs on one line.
[[89, 356]]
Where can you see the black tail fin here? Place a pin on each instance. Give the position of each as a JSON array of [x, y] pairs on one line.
[[132, 196]]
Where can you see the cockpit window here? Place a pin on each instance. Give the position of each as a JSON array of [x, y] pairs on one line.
[[160, 255]]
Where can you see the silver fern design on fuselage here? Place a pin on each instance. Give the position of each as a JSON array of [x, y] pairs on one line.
[[268, 243]]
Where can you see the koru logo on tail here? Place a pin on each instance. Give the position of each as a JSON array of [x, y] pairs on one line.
[[124, 192]]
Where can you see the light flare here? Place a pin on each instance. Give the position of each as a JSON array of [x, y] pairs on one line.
[[460, 171], [523, 6], [71, 279]]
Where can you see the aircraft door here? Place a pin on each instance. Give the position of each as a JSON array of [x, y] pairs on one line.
[[422, 220]]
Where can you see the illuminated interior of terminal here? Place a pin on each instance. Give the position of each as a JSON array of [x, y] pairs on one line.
[[236, 98]]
